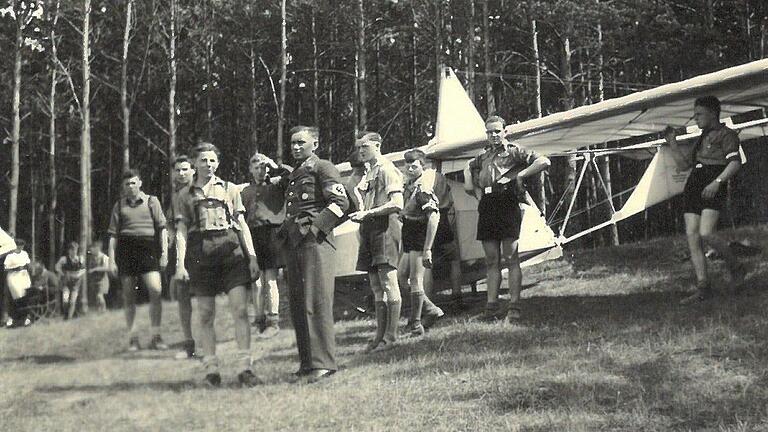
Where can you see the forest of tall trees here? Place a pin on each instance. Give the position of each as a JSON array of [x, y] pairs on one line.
[[90, 87]]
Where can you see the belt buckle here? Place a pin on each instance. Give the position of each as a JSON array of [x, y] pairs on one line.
[[489, 189]]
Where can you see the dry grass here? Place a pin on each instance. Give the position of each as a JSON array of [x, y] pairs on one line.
[[603, 346]]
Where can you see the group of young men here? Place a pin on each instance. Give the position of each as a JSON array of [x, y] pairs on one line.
[[220, 238]]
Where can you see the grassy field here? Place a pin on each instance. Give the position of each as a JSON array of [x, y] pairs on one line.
[[603, 346]]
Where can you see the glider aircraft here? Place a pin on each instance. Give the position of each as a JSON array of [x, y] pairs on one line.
[[460, 135]]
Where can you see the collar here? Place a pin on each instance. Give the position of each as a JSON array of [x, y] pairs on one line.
[[716, 128], [177, 187], [214, 180], [310, 161], [426, 181], [379, 160], [140, 198]]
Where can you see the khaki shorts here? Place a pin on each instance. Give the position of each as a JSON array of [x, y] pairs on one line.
[[379, 244]]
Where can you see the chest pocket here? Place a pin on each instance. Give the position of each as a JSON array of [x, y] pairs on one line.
[[212, 215], [307, 189]]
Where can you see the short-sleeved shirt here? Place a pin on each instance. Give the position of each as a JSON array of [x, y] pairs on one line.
[[379, 182], [491, 167], [170, 218], [419, 197], [718, 146], [16, 260], [185, 204], [140, 217], [264, 204]]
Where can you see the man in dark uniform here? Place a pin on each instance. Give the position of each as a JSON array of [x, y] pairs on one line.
[[714, 159], [315, 204]]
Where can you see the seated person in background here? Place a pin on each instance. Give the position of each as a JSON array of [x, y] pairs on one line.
[[45, 281], [17, 280], [98, 274], [70, 268]]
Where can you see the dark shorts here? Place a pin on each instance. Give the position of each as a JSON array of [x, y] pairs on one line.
[[215, 263], [267, 246], [700, 178], [137, 255], [414, 234], [499, 216], [378, 244]]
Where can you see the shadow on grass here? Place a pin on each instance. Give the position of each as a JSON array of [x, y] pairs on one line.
[[556, 333], [173, 386], [39, 359]]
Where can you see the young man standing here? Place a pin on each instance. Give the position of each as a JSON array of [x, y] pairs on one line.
[[315, 204], [382, 192], [265, 212], [496, 178], [715, 159], [183, 175], [215, 254], [98, 275], [136, 223], [70, 269], [421, 218]]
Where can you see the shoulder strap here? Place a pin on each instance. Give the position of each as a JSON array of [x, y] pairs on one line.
[[152, 212]]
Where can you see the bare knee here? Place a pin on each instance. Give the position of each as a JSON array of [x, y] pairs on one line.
[[513, 260], [492, 261]]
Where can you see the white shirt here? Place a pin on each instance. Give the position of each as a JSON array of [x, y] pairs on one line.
[[15, 260]]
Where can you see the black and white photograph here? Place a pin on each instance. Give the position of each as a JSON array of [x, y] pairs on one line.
[[384, 215]]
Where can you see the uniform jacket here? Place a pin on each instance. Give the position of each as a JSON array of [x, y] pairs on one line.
[[315, 196]]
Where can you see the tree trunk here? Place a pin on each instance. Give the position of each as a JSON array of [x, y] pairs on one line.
[[438, 44], [315, 73], [16, 131], [283, 78], [568, 103], [172, 93], [490, 102], [542, 192], [414, 76], [471, 52], [208, 70], [361, 75], [605, 162], [33, 221], [254, 105], [52, 204], [125, 108], [85, 143]]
